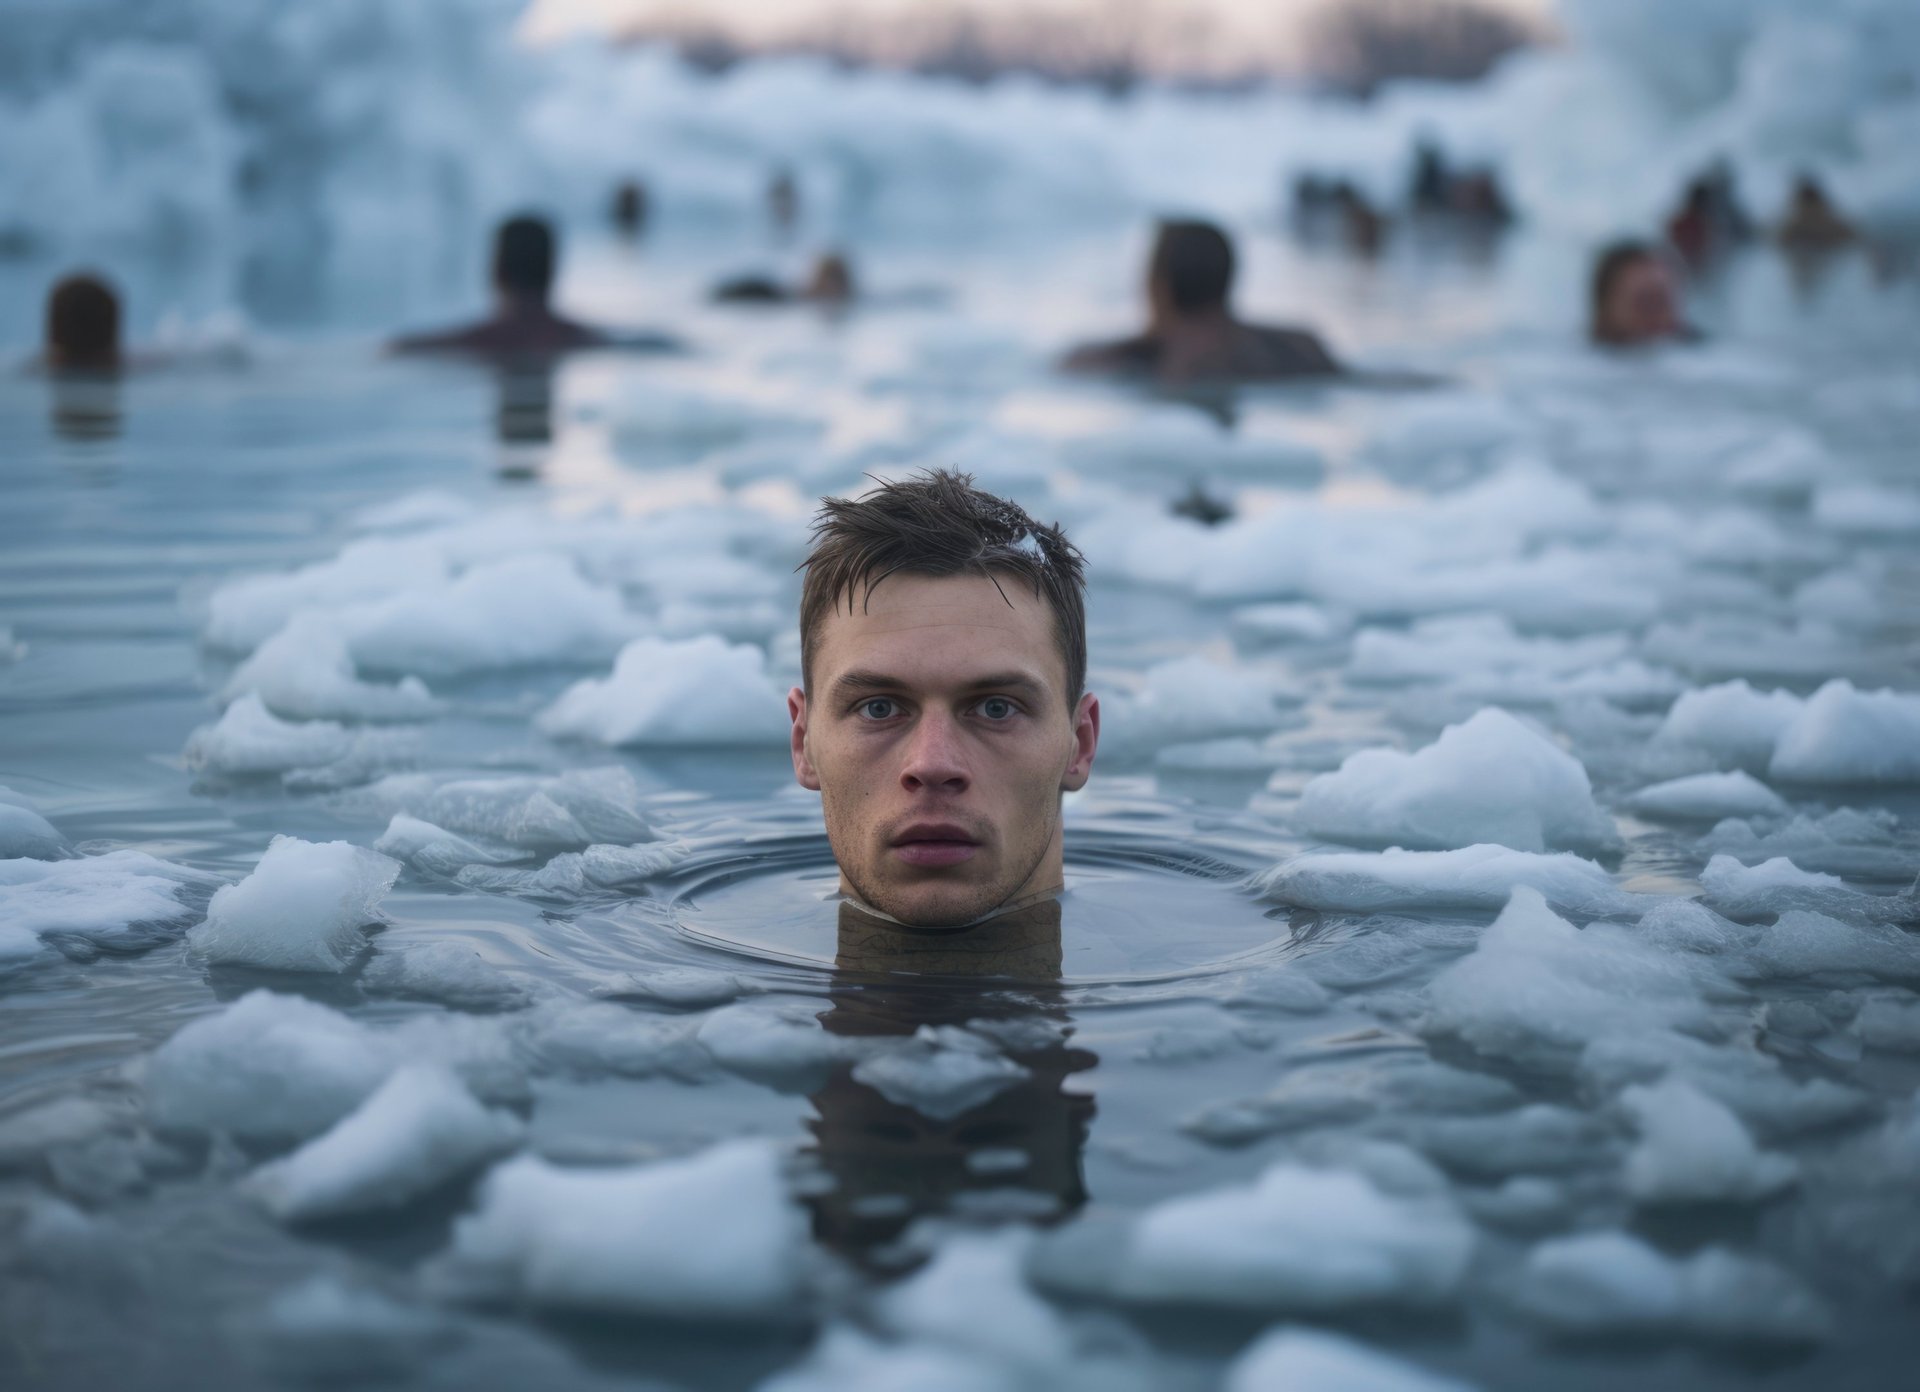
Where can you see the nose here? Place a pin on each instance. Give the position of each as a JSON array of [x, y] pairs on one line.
[[935, 757]]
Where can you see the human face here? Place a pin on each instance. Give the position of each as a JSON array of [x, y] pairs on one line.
[[1643, 303], [940, 740]]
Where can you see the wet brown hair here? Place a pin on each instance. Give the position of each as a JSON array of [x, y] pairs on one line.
[[1607, 268], [937, 523], [83, 323]]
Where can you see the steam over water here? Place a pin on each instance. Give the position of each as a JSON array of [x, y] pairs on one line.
[[1488, 955]]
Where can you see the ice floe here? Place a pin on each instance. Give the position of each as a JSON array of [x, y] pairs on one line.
[[713, 1236], [1692, 1149], [303, 908], [1492, 779], [306, 672], [700, 692], [942, 1071], [250, 741], [1296, 1359], [24, 833], [1474, 877], [121, 901], [1842, 735], [420, 1129], [1709, 797]]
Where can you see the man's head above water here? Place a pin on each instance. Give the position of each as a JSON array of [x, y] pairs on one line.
[[943, 644]]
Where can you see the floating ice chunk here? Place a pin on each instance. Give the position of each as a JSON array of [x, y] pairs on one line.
[[1194, 698], [1612, 1283], [846, 1360], [1535, 985], [1308, 1360], [123, 901], [249, 739], [1297, 1239], [24, 833], [302, 908], [1491, 779], [941, 1072], [1471, 645], [781, 1044], [973, 1296], [1693, 1150], [562, 812], [425, 507], [1843, 597], [325, 1330], [1709, 796], [1890, 1025], [689, 988], [1846, 736], [446, 972], [305, 672], [704, 691], [1475, 877], [1686, 925], [579, 874], [603, 1038], [1732, 723], [267, 1066], [1776, 885], [1850, 841], [711, 1237], [420, 1129], [1538, 1138], [1865, 509], [243, 614], [1287, 623], [1804, 943], [520, 611], [437, 850]]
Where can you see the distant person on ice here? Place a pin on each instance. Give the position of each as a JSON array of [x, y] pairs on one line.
[[83, 326], [523, 324], [1192, 335], [1634, 298]]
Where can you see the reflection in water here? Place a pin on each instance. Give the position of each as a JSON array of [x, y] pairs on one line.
[[86, 405], [889, 1163], [523, 414]]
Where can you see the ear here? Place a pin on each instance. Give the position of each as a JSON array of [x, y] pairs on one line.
[[802, 762], [1086, 739]]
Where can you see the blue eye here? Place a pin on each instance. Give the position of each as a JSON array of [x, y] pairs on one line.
[[997, 708], [879, 708]]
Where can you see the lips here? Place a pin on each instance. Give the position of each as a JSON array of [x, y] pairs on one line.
[[931, 845]]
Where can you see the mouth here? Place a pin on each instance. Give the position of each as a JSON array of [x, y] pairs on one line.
[[931, 845]]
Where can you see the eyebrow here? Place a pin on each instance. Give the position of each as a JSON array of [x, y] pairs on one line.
[[858, 680]]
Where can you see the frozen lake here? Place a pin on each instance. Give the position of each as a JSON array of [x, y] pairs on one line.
[[1608, 1074]]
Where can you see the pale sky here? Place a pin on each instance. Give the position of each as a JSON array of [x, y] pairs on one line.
[[1234, 27]]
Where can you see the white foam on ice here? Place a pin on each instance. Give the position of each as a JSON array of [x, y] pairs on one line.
[[303, 908], [1297, 1359], [418, 1130], [713, 1236], [1492, 779], [1843, 735], [1692, 1149], [1297, 1239], [1474, 877], [1709, 797], [699, 692], [268, 1065]]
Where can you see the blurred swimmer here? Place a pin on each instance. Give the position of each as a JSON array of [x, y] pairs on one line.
[[1812, 223], [943, 712], [83, 326], [829, 283], [523, 323], [630, 208], [1635, 298], [1192, 334]]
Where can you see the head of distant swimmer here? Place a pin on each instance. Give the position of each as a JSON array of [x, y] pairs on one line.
[[1190, 272], [524, 258], [943, 643], [1635, 296], [83, 325]]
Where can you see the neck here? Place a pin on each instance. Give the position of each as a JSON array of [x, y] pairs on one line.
[[1213, 319]]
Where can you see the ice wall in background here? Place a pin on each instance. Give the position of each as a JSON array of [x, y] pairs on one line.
[[365, 132]]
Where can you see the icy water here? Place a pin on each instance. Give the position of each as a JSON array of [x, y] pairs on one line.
[[613, 1091]]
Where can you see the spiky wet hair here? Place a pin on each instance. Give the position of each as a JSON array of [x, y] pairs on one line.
[[937, 523]]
